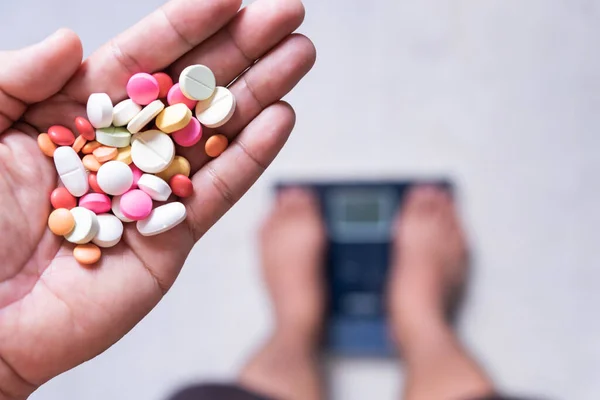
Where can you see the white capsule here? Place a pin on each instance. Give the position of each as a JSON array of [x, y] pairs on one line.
[[71, 171], [100, 110], [162, 219]]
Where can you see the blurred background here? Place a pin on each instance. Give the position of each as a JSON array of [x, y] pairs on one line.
[[501, 95]]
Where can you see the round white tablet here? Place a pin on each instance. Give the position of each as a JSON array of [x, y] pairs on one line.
[[217, 110], [116, 209], [100, 110], [115, 178], [110, 230], [145, 116], [124, 112], [152, 151], [197, 82], [162, 219], [154, 187], [113, 137], [71, 171], [86, 226]]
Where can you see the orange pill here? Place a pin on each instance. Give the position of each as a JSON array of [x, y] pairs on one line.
[[79, 143], [91, 163], [87, 253], [105, 153], [46, 144], [165, 83], [90, 147], [215, 145], [61, 222]]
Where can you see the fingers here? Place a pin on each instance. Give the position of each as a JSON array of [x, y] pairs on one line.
[[223, 181], [265, 83], [151, 45], [35, 73], [253, 32]]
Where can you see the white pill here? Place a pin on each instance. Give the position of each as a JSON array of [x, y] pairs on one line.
[[197, 82], [100, 110], [217, 110], [86, 226], [71, 171], [152, 151], [144, 117], [113, 137], [110, 230], [124, 112], [154, 187], [115, 178], [162, 219], [116, 209]]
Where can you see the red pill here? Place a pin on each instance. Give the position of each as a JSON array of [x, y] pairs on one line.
[[61, 136], [165, 83], [85, 129], [181, 185], [93, 181], [61, 198]]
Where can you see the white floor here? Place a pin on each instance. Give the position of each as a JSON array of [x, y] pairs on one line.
[[502, 95]]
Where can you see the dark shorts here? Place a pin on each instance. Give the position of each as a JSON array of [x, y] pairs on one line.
[[233, 392]]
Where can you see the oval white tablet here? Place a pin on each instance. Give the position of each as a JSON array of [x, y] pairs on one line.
[[144, 117], [124, 112], [100, 110], [217, 110], [154, 187], [86, 226], [197, 82], [71, 171], [162, 219], [110, 230], [152, 151], [113, 137], [116, 209], [114, 178]]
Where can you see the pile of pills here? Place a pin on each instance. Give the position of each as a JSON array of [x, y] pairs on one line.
[[124, 159]]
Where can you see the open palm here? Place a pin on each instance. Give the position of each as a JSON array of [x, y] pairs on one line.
[[56, 314]]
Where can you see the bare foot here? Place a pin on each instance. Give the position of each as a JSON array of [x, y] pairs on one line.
[[429, 269], [429, 260], [292, 247]]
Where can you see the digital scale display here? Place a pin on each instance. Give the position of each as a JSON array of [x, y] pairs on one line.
[[359, 219]]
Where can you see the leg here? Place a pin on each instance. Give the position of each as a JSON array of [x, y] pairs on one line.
[[292, 247], [429, 268]]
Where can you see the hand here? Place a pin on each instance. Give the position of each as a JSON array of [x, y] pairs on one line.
[[55, 313]]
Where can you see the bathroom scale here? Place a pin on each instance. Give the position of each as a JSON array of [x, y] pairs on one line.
[[359, 218]]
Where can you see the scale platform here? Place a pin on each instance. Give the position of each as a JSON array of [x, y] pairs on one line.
[[359, 218]]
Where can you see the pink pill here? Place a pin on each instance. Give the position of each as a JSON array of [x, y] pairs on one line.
[[137, 174], [136, 205], [190, 135], [143, 88], [97, 202], [175, 96]]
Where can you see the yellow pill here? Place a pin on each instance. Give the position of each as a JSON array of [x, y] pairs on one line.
[[87, 253], [179, 166], [174, 118], [124, 155], [61, 222]]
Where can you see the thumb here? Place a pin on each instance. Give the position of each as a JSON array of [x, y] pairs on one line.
[[34, 73]]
